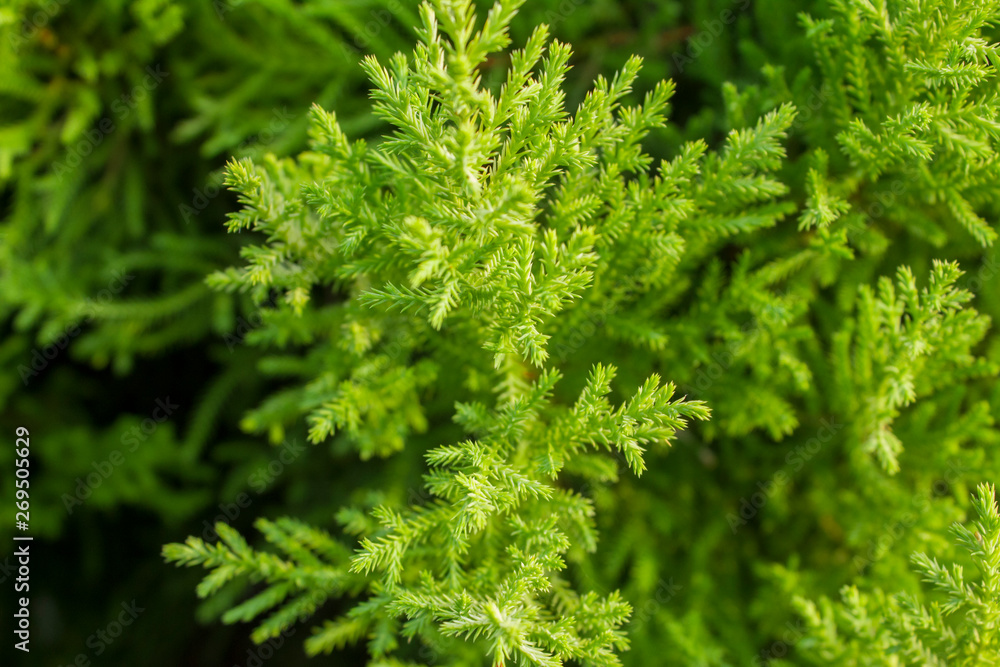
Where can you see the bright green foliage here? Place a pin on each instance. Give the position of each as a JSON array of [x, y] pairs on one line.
[[446, 303], [908, 92], [442, 221], [906, 345], [494, 256], [299, 582], [479, 560], [490, 510], [464, 292], [958, 628]]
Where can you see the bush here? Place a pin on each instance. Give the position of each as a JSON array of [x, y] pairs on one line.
[[582, 385]]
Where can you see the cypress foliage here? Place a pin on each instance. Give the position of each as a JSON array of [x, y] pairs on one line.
[[452, 296], [877, 629], [673, 347]]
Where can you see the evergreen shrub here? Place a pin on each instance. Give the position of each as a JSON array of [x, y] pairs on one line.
[[673, 347]]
